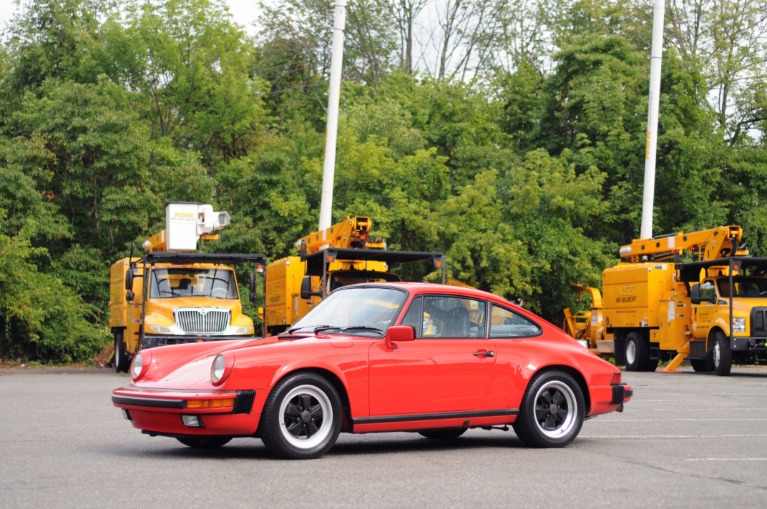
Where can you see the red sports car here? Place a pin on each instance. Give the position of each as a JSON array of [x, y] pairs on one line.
[[420, 357]]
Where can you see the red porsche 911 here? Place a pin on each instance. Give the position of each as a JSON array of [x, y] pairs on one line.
[[419, 357]]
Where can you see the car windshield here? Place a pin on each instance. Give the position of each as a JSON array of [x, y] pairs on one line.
[[217, 283], [743, 286], [359, 310]]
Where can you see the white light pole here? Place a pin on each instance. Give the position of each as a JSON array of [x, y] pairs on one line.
[[334, 95]]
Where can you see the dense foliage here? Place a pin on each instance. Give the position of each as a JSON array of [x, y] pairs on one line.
[[513, 140]]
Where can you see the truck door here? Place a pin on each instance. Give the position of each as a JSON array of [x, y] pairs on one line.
[[704, 313]]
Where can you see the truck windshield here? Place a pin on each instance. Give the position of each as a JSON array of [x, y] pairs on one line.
[[748, 287], [216, 283]]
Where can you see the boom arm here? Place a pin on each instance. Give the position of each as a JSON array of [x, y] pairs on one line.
[[352, 233], [711, 244]]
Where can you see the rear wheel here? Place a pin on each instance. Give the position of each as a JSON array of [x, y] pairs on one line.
[[302, 417], [443, 434], [204, 442], [722, 354], [637, 352], [552, 411], [120, 358]]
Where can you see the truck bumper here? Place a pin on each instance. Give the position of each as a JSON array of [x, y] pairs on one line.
[[151, 341], [740, 344]]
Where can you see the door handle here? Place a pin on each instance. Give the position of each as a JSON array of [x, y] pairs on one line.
[[484, 353]]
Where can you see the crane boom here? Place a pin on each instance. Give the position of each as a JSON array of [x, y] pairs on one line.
[[719, 242]]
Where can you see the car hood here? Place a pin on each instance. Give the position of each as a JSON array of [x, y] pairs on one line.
[[188, 367]]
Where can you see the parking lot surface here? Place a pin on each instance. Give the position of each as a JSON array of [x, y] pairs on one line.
[[685, 439]]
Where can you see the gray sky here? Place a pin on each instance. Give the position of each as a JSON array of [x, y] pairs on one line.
[[243, 11]]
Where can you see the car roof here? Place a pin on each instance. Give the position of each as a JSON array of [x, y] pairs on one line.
[[434, 288]]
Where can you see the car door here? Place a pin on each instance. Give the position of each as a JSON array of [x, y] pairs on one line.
[[447, 368]]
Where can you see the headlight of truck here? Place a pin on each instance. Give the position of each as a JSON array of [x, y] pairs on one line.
[[160, 329], [244, 330], [738, 325]]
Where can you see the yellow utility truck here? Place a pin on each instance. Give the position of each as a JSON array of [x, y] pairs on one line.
[[174, 294], [341, 255], [690, 296]]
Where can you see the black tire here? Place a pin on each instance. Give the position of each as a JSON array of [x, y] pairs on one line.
[[637, 352], [552, 412], [443, 434], [302, 417], [722, 354], [703, 365], [204, 442], [120, 359]]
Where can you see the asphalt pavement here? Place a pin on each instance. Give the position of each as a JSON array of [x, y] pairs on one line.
[[686, 439]]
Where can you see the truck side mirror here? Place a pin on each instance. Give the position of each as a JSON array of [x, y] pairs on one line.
[[695, 294], [129, 296], [129, 275], [252, 287], [306, 289]]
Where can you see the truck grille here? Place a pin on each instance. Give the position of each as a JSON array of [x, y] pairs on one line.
[[759, 322], [202, 320]]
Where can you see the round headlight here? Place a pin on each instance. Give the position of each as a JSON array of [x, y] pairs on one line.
[[218, 368], [221, 368], [137, 366]]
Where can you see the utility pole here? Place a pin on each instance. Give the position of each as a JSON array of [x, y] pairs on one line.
[[659, 13], [331, 132]]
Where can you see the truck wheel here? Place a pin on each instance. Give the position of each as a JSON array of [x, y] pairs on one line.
[[120, 357], [637, 352], [552, 411], [302, 417], [703, 365], [722, 354]]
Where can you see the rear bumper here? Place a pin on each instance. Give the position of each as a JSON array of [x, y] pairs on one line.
[[621, 394], [609, 398]]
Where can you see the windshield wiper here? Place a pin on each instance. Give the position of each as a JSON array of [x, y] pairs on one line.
[[315, 328], [363, 327]]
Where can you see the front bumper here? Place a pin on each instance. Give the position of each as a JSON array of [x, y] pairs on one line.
[[743, 344], [154, 340], [160, 412]]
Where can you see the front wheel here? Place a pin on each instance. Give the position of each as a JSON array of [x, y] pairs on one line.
[[204, 442], [722, 354], [637, 352], [120, 356], [302, 417], [552, 411]]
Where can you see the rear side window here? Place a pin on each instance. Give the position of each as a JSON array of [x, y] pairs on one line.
[[505, 323]]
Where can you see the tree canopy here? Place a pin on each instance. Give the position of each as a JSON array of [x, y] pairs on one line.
[[509, 135]]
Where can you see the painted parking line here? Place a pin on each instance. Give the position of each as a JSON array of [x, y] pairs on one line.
[[664, 437], [725, 459]]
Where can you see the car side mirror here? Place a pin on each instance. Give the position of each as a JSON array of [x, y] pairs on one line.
[[695, 294], [397, 334]]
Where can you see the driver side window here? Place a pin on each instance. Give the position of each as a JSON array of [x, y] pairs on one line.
[[438, 316]]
